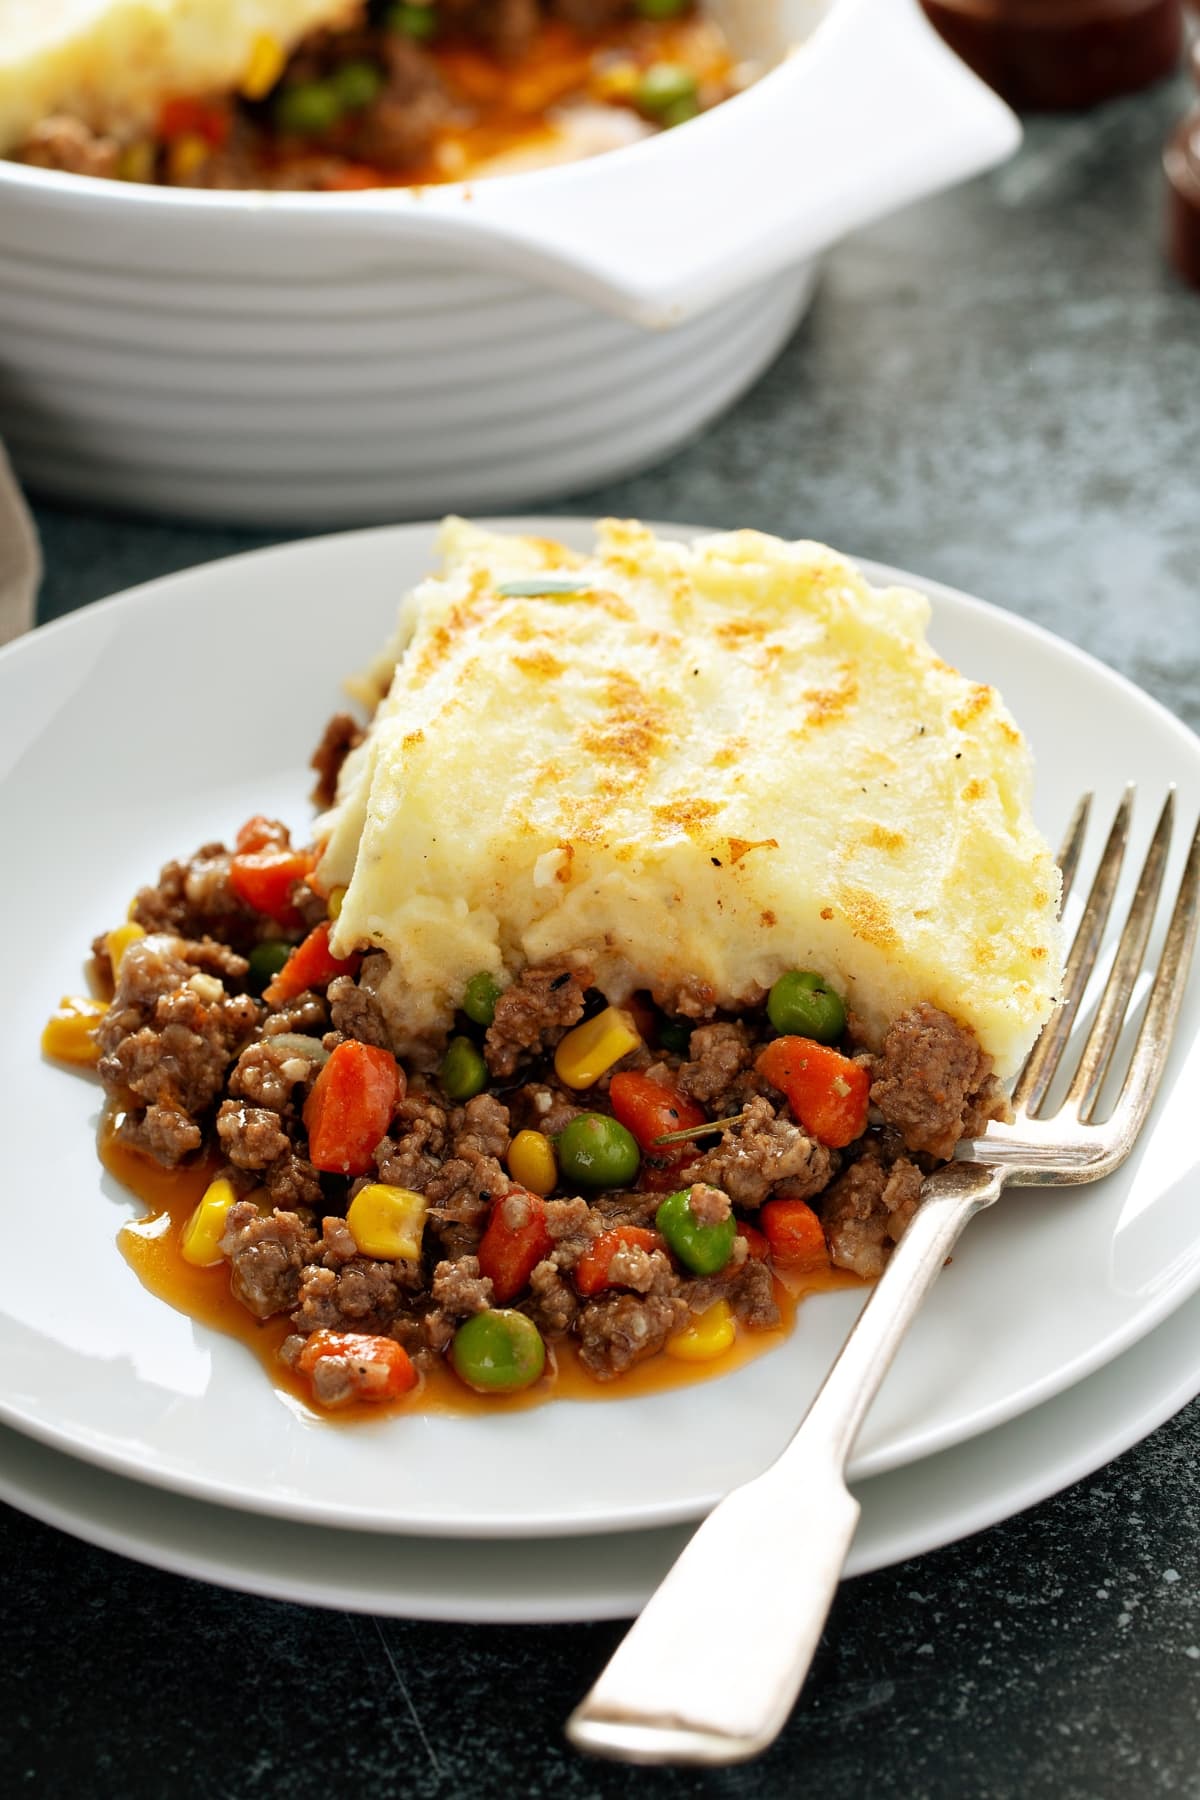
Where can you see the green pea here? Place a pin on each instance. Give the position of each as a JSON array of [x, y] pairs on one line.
[[596, 1151], [307, 107], [479, 998], [705, 1249], [663, 86], [660, 9], [498, 1352], [674, 1035], [800, 1005], [679, 112], [356, 84], [266, 959], [464, 1072], [413, 21]]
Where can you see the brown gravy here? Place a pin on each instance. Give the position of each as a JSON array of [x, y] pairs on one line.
[[151, 1246]]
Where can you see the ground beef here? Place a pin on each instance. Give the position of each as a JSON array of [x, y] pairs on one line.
[[413, 1155], [459, 1289], [194, 899], [718, 1054], [356, 1013], [60, 142], [933, 1082], [267, 1075], [708, 1205], [358, 1295], [306, 1014], [749, 1288], [553, 1303], [645, 1271], [867, 1208], [252, 1137], [401, 123], [340, 736], [266, 1257], [540, 1107], [572, 1224], [168, 1038], [481, 1128], [617, 1330], [533, 1014], [764, 1155]]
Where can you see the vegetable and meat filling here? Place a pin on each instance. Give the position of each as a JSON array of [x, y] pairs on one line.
[[615, 1175], [417, 92]]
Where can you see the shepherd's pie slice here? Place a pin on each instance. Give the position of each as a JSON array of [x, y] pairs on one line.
[[691, 768], [112, 63]]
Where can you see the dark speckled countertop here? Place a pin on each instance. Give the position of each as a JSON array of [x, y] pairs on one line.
[[1000, 388]]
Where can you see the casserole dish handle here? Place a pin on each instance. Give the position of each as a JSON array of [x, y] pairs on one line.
[[871, 112]]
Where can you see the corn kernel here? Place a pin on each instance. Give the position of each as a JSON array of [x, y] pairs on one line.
[[186, 156], [615, 80], [334, 903], [531, 1162], [201, 1239], [264, 68], [708, 1336], [136, 161], [118, 941], [387, 1222], [70, 1031], [585, 1053]]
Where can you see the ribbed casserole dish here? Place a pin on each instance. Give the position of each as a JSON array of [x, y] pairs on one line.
[[341, 358]]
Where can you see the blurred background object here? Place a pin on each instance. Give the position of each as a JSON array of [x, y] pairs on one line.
[[1062, 55], [1181, 161]]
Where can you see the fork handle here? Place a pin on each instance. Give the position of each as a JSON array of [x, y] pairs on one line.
[[711, 1668]]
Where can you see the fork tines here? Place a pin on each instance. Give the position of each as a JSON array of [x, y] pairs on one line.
[[1166, 992]]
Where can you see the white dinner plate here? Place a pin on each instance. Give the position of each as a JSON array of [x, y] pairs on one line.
[[139, 728], [932, 1502]]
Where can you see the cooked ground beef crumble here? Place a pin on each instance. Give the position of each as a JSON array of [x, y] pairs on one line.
[[201, 1051]]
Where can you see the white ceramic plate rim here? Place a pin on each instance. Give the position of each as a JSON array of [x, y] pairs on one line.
[[908, 1513], [1168, 1294]]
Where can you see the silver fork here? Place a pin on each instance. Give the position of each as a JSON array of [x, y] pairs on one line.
[[710, 1670]]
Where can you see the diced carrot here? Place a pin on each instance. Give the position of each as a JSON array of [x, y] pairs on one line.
[[378, 1367], [651, 1109], [795, 1235], [756, 1243], [312, 964], [261, 833], [591, 1271], [184, 117], [264, 879], [826, 1091], [510, 1251], [350, 1107]]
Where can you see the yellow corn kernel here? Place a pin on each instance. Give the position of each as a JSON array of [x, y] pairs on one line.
[[708, 1336], [334, 903], [266, 65], [615, 80], [136, 161], [531, 1162], [585, 1053], [186, 155], [70, 1031], [118, 941], [201, 1239], [387, 1222]]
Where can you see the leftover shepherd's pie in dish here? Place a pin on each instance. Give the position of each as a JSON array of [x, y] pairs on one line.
[[674, 912], [346, 94]]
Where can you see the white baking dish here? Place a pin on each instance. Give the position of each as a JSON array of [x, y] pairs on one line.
[[348, 357]]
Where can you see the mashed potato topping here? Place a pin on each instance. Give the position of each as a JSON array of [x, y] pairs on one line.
[[111, 63], [690, 768]]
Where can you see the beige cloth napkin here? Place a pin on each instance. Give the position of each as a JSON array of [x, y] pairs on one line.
[[20, 557]]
